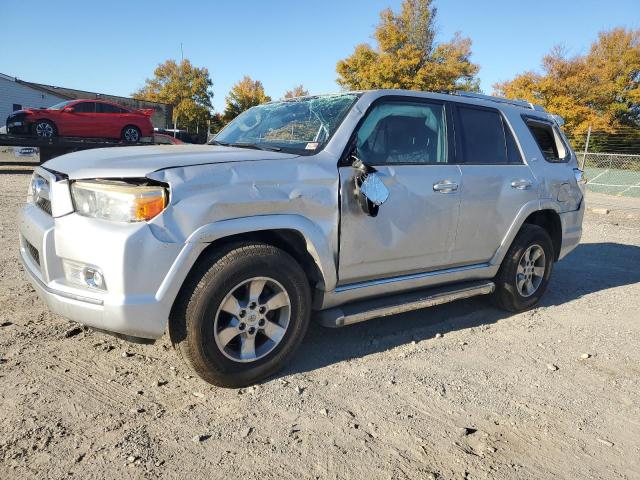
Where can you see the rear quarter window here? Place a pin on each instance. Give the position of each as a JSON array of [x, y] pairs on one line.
[[549, 141]]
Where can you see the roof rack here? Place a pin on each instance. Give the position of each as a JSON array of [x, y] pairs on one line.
[[509, 101]]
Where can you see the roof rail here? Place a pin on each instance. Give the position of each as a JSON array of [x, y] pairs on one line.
[[509, 101]]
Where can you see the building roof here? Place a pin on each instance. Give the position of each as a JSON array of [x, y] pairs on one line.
[[69, 93], [73, 93]]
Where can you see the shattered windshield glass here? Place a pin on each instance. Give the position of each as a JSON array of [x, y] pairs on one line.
[[299, 125]]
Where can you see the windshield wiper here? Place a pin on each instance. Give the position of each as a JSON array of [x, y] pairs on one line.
[[255, 146]]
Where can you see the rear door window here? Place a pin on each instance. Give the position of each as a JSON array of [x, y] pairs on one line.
[[482, 136], [85, 107], [549, 141], [513, 152], [107, 108]]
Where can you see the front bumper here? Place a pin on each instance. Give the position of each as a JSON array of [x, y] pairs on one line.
[[142, 274], [20, 127]]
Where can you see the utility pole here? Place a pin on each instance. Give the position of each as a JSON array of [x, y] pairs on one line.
[[181, 53], [586, 148]]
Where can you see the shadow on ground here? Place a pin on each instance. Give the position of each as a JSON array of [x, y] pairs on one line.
[[590, 268], [16, 172], [19, 163]]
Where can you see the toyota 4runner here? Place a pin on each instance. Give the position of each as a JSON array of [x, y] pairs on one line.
[[340, 207]]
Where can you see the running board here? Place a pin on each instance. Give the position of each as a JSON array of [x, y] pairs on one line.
[[406, 302]]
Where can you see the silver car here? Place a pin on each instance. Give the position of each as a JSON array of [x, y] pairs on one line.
[[340, 207]]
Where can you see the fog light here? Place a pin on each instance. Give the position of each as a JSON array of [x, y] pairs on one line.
[[83, 275], [93, 277]]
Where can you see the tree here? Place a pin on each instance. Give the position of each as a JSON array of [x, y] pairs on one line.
[[600, 89], [186, 87], [407, 55], [217, 122], [245, 94], [297, 91]]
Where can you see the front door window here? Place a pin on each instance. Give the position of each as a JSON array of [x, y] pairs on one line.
[[404, 133]]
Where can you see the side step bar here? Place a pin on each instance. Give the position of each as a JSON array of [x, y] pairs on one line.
[[406, 302]]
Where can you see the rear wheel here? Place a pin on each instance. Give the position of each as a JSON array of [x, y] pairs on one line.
[[44, 129], [131, 134], [525, 271], [242, 314]]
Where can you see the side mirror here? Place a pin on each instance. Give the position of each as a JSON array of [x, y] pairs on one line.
[[69, 109], [370, 189]]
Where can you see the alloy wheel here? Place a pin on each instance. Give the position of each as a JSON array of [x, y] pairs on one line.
[[530, 271], [252, 319], [131, 135], [44, 129]]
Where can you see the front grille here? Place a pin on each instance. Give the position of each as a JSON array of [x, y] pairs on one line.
[[44, 204], [33, 251]]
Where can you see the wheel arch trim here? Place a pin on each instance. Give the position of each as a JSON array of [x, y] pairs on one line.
[[520, 219], [316, 242]]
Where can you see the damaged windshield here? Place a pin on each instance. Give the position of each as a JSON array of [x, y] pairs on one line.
[[299, 125]]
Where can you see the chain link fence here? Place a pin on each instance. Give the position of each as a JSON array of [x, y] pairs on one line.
[[612, 173]]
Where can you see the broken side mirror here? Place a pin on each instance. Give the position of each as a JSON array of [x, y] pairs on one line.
[[371, 192]]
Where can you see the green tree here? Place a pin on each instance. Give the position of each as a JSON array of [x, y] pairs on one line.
[[217, 122], [600, 89], [297, 91], [186, 87], [245, 94], [407, 55]]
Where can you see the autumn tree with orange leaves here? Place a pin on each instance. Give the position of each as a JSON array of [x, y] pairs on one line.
[[186, 87], [408, 56], [245, 94], [297, 91], [600, 89]]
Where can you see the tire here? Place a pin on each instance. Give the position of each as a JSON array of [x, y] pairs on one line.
[[131, 134], [200, 320], [513, 292], [44, 129]]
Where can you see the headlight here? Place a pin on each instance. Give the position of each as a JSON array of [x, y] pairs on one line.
[[36, 186], [118, 201]]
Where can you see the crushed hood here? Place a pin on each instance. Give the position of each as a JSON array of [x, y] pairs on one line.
[[122, 162]]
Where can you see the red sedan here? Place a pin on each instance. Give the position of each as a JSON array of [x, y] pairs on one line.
[[83, 118]]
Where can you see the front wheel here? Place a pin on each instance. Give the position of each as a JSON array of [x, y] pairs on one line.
[[241, 314], [525, 271], [44, 129]]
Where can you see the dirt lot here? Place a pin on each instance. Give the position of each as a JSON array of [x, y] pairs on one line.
[[458, 391]]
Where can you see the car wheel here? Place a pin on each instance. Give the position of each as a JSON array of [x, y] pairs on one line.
[[131, 134], [525, 271], [44, 129], [241, 314]]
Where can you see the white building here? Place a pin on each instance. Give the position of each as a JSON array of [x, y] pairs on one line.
[[15, 95]]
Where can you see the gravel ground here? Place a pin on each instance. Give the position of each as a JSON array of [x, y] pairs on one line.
[[460, 391]]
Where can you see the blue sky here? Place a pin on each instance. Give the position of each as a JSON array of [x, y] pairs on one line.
[[112, 46]]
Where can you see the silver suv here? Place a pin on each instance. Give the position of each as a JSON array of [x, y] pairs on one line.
[[342, 207]]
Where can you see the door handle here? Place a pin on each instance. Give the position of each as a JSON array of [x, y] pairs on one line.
[[445, 186], [521, 184]]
